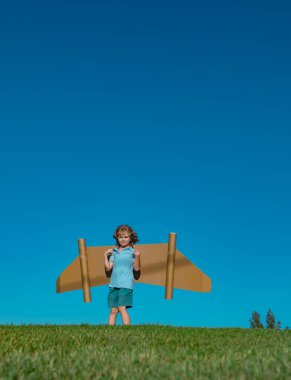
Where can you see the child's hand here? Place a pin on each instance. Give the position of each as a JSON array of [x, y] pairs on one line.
[[108, 252]]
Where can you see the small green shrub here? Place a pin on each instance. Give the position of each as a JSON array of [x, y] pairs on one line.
[[255, 321], [270, 320]]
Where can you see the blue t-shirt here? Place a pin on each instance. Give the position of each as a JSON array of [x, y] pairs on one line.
[[122, 274]]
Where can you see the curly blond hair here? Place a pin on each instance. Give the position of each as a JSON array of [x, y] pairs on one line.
[[125, 227]]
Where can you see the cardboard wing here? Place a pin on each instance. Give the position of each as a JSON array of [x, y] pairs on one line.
[[153, 269]]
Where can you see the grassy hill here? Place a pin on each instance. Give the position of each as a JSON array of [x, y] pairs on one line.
[[142, 352]]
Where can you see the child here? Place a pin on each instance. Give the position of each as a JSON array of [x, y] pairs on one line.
[[122, 261]]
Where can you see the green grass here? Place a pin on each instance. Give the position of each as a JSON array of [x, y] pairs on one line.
[[142, 352]]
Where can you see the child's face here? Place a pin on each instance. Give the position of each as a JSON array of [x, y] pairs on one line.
[[123, 239]]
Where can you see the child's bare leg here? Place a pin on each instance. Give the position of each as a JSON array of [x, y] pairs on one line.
[[113, 315], [124, 315]]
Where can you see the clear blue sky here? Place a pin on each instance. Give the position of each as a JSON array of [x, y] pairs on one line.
[[171, 116]]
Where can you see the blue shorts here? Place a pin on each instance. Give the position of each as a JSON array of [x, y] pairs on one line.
[[120, 297]]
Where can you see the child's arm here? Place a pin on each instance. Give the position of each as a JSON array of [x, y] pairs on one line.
[[136, 264], [108, 265]]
